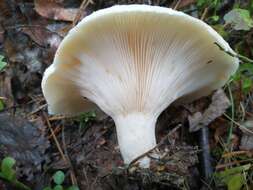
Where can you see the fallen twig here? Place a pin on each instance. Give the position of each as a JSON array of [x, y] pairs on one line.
[[158, 145], [37, 110], [72, 173], [64, 158], [177, 5], [203, 16], [82, 7], [56, 131], [236, 153], [239, 125], [54, 137], [58, 117], [241, 57], [222, 166], [30, 26]]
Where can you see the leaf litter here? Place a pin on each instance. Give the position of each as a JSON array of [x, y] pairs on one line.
[[29, 39], [24, 141]]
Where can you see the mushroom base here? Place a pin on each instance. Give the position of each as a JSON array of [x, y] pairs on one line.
[[136, 135]]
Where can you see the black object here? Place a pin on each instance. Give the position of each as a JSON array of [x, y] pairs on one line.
[[205, 156]]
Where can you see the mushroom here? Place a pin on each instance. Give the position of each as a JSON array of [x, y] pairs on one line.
[[133, 61]]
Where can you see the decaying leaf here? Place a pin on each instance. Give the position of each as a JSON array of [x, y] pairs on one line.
[[23, 141], [218, 106], [186, 3], [247, 138], [42, 36], [53, 10], [239, 19]]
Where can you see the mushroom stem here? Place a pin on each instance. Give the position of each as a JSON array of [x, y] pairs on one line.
[[136, 135]]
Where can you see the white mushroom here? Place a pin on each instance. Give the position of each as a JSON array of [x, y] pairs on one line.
[[133, 61]]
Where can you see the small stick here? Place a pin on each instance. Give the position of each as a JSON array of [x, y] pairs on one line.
[[56, 131], [241, 57], [177, 5], [37, 110], [54, 137], [243, 128], [58, 144], [30, 26], [230, 154], [204, 14], [222, 166], [57, 117], [72, 173], [158, 145], [86, 178], [82, 7]]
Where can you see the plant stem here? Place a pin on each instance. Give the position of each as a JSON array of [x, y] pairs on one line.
[[237, 55], [232, 115]]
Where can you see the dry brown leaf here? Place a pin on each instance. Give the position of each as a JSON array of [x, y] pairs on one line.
[[219, 104], [37, 34], [185, 3], [43, 37], [219, 133], [53, 10], [43, 33]]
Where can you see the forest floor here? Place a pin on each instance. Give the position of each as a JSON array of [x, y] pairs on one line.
[[40, 151]]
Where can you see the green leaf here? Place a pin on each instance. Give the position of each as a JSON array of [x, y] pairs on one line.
[[73, 188], [215, 18], [201, 2], [2, 63], [246, 67], [235, 182], [208, 3], [233, 171], [84, 118], [58, 187], [230, 176], [58, 177], [247, 84], [6, 168], [239, 19]]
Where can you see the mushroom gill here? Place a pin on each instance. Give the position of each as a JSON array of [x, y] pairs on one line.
[[133, 61]]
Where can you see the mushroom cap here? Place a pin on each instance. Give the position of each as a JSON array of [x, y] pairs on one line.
[[136, 58]]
